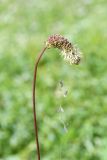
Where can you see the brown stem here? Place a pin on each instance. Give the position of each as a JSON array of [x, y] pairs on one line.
[[34, 101]]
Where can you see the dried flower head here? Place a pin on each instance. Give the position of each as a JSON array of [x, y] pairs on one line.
[[68, 51]]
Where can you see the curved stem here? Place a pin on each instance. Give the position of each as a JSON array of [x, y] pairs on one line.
[[34, 101]]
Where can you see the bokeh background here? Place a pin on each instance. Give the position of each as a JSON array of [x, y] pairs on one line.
[[71, 127]]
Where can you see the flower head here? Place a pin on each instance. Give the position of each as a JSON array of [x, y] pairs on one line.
[[68, 50]]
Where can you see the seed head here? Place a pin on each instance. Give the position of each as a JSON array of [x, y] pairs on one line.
[[68, 50]]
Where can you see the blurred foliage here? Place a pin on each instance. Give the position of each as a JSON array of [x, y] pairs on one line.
[[24, 26]]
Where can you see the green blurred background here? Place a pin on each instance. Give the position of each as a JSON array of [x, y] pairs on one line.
[[79, 130]]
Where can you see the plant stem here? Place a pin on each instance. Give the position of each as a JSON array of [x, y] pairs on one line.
[[34, 101]]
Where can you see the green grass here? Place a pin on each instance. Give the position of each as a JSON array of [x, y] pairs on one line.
[[24, 26]]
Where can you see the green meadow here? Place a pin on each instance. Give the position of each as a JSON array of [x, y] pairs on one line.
[[72, 119]]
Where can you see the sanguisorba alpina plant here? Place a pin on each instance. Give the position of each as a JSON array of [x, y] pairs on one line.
[[70, 53]]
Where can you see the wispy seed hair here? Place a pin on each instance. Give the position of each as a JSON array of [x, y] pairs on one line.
[[70, 52]]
